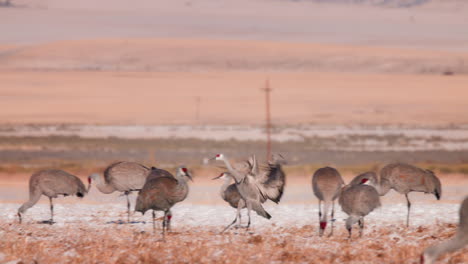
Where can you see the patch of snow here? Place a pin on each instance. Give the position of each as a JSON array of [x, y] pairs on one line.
[[369, 138]]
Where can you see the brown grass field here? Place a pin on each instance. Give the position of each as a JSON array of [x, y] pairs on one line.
[[83, 234], [123, 244]]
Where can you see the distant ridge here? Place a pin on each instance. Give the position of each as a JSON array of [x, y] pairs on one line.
[[390, 3], [164, 55]]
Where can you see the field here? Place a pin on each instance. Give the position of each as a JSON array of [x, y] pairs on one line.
[[86, 231]]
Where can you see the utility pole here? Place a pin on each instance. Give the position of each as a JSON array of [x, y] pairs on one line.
[[197, 110], [267, 91]]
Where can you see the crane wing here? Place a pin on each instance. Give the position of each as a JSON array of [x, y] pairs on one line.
[[253, 164], [125, 175], [271, 182], [159, 173]]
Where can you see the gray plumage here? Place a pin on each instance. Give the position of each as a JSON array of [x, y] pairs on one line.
[[326, 184], [232, 196], [161, 191], [406, 178], [358, 200], [256, 186], [457, 242], [229, 191], [51, 183], [275, 178], [122, 176]]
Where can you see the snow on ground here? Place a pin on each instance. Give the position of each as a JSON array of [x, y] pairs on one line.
[[370, 138], [198, 216], [89, 232]]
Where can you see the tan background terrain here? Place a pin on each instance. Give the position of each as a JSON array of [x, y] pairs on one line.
[[231, 97], [147, 63]]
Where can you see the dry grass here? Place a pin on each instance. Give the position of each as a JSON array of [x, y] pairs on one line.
[[82, 243]]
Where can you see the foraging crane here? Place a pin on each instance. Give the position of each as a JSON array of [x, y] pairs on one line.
[[406, 178], [161, 191], [326, 184], [123, 176], [255, 187], [155, 173], [457, 242], [51, 183], [357, 200]]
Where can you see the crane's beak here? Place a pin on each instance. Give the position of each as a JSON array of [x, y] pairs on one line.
[[190, 177], [89, 185], [217, 177]]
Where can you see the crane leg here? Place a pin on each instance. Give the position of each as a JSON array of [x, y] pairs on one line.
[[249, 208], [154, 225], [227, 227], [361, 226], [332, 218], [349, 224], [164, 223], [169, 218], [51, 211], [237, 219], [409, 208], [128, 206], [238, 215], [320, 209]]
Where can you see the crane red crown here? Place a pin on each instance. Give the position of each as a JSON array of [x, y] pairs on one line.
[[184, 170], [364, 180]]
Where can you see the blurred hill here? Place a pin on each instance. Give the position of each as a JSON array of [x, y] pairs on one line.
[[435, 25], [151, 61], [388, 3], [192, 55]]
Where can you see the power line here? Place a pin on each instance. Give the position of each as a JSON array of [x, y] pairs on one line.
[[267, 91]]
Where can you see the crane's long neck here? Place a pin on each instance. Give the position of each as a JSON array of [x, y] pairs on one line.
[[238, 177], [227, 182], [382, 185], [102, 186], [181, 179]]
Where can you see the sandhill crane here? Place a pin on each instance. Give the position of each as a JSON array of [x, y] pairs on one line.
[[357, 200], [405, 178], [255, 187], [155, 173], [326, 184], [230, 194], [161, 191], [457, 242], [123, 177], [51, 183]]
